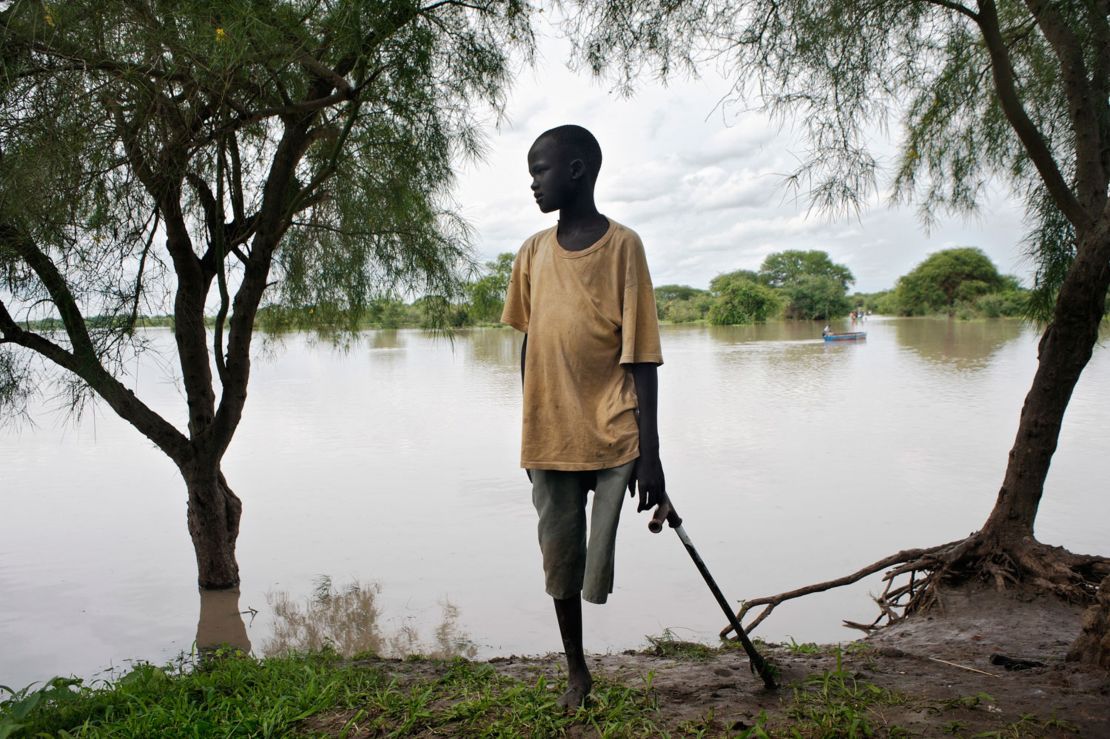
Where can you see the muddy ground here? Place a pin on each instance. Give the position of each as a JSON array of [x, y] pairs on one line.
[[941, 698], [937, 668]]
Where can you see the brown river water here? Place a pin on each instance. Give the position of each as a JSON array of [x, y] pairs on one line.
[[393, 461]]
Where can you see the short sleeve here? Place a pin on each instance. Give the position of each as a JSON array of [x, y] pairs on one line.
[[518, 297], [639, 320]]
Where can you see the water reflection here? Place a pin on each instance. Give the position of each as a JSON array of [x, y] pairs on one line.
[[348, 620], [962, 345], [221, 622], [497, 347], [386, 339], [771, 331]]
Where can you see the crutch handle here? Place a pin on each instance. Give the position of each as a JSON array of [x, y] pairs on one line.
[[664, 512]]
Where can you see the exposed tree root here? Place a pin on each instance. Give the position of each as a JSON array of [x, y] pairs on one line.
[[913, 576]]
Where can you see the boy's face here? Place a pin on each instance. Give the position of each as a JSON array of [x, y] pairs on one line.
[[554, 179]]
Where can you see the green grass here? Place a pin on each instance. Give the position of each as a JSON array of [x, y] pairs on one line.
[[804, 648], [668, 645], [316, 695], [837, 703], [324, 694]]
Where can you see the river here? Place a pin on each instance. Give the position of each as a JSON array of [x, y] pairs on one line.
[[393, 460]]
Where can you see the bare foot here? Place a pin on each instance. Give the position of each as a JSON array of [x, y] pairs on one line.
[[578, 689]]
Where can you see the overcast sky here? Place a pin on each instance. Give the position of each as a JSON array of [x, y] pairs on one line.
[[702, 184]]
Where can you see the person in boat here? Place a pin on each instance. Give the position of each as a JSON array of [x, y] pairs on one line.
[[825, 331], [581, 293]]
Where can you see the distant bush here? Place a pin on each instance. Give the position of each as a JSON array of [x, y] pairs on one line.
[[1008, 304], [743, 301], [682, 304]]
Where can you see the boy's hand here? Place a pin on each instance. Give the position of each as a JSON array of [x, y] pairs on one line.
[[648, 472]]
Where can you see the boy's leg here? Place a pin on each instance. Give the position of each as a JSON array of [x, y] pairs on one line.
[[560, 500], [609, 495], [579, 681]]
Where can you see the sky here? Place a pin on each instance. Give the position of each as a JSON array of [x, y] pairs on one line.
[[703, 184]]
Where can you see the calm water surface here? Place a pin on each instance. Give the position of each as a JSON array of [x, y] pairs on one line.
[[394, 462]]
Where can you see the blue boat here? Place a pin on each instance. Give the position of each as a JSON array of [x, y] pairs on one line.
[[849, 336]]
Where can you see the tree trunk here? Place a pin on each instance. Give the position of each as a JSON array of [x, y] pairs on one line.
[[213, 516], [1093, 644], [1064, 351]]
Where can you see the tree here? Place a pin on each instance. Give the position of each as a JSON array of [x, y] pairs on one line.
[[814, 286], [682, 303], [945, 277], [785, 268], [737, 300], [813, 297], [839, 68], [486, 295], [718, 283], [224, 155], [665, 293]]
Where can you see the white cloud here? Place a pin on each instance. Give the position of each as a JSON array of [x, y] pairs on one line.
[[703, 184]]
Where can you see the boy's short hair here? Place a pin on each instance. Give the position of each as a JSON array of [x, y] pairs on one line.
[[580, 143]]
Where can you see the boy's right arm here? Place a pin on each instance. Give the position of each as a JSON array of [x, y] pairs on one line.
[[523, 354]]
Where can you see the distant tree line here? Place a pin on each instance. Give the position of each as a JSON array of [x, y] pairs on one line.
[[808, 285], [792, 285], [803, 285], [960, 282]]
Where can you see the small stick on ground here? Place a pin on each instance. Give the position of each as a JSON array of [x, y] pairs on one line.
[[963, 667]]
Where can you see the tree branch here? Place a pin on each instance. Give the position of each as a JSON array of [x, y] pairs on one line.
[[142, 267], [1091, 177], [959, 8], [119, 398], [1016, 114]]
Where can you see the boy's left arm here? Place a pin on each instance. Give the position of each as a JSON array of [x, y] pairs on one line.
[[648, 470]]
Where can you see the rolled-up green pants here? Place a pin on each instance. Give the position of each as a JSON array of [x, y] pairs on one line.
[[570, 564]]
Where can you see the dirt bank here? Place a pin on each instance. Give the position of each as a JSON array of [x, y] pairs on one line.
[[929, 676], [929, 697]]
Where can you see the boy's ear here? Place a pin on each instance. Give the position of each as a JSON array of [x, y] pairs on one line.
[[577, 169]]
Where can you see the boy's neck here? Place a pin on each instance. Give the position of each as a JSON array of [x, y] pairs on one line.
[[580, 225]]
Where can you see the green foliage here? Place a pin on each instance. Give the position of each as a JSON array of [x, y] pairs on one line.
[[797, 648], [239, 696], [682, 304], [816, 296], [787, 268], [291, 154], [670, 646], [665, 293], [742, 301], [945, 278], [810, 284], [836, 703], [1003, 304], [486, 295], [721, 281]]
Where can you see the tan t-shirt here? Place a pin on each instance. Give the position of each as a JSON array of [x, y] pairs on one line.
[[586, 314]]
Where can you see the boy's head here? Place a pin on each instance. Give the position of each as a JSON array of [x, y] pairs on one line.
[[564, 162]]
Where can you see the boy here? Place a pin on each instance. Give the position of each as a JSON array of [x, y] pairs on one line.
[[582, 295]]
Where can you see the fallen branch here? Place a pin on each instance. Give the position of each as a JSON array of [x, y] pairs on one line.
[[770, 602]]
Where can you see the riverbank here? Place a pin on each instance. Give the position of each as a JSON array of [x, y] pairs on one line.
[[930, 676]]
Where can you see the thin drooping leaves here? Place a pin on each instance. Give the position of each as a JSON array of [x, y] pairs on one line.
[[843, 70], [210, 159]]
